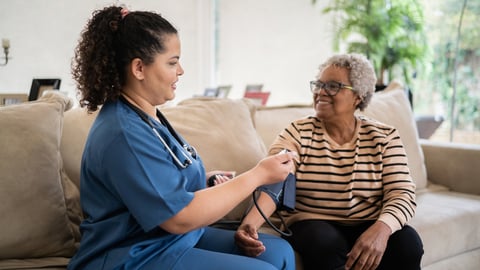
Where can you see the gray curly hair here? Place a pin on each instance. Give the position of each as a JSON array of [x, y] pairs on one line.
[[361, 74]]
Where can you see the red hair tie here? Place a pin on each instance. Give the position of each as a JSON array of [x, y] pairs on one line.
[[124, 12]]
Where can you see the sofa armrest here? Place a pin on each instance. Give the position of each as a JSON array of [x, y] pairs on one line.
[[454, 165]]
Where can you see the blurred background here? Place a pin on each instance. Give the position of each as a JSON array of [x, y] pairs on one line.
[[431, 47]]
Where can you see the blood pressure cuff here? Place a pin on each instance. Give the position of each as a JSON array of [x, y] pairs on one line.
[[282, 193]]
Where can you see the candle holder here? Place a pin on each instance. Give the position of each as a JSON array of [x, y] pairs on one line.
[[6, 47]]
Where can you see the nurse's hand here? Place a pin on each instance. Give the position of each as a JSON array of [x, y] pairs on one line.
[[273, 169]]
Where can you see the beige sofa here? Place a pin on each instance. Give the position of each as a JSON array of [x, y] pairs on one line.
[[41, 144]]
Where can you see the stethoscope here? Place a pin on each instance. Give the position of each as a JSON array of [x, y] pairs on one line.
[[187, 148]]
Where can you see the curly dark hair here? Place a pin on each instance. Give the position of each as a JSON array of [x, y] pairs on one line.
[[109, 42]]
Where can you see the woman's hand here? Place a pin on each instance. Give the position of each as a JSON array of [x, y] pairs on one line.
[[219, 177], [246, 238], [368, 250]]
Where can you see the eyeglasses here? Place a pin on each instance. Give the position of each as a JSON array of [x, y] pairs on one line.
[[331, 88]]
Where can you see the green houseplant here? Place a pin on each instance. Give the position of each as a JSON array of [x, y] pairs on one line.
[[389, 32]]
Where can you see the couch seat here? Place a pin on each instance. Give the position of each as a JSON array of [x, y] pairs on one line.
[[451, 217]]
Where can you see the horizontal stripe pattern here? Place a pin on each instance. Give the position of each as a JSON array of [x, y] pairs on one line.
[[367, 178]]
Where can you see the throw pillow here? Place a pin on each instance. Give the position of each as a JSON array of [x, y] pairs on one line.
[[76, 125], [221, 130], [392, 107], [39, 206], [271, 120]]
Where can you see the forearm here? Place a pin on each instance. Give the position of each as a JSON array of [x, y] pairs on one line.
[[266, 204], [211, 204]]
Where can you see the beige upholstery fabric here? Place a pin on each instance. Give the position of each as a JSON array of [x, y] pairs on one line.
[[39, 206], [76, 126], [451, 217], [450, 165], [221, 130], [469, 260], [270, 121], [391, 106]]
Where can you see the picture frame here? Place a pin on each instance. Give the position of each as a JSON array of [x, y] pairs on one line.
[[41, 85], [254, 87], [210, 92], [259, 98], [223, 91]]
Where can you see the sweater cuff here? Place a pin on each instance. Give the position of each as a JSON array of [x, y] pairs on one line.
[[391, 222]]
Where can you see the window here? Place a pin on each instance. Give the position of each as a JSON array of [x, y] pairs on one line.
[[449, 84]]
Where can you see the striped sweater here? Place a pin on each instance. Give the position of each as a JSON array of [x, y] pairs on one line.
[[365, 179]]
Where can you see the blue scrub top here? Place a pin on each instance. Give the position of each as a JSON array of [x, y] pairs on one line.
[[129, 185]]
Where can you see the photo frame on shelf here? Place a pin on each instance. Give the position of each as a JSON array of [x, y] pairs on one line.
[[259, 98], [223, 91], [210, 92], [41, 85], [254, 87]]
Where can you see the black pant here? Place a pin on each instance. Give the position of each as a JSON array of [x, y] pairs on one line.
[[324, 245]]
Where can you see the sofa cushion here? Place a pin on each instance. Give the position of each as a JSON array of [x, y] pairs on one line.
[[392, 107], [221, 130], [271, 120], [447, 223], [77, 123], [39, 205]]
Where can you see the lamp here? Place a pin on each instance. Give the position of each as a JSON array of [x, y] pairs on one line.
[[6, 46]]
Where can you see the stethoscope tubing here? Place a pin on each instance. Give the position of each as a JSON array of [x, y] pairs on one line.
[[187, 162], [144, 117]]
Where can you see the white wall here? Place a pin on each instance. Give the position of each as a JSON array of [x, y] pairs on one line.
[[275, 42], [43, 35], [279, 43]]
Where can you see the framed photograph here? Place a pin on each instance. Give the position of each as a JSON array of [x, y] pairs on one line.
[[210, 92], [254, 88], [40, 85], [223, 91], [259, 98]]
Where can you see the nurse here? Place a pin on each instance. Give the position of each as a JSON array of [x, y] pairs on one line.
[[143, 188]]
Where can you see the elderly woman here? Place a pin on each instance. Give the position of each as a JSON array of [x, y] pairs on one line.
[[354, 193]]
